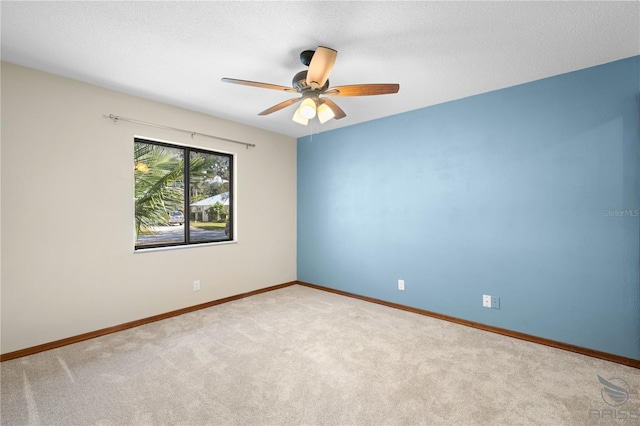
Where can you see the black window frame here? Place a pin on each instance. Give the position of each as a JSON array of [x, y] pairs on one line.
[[187, 150]]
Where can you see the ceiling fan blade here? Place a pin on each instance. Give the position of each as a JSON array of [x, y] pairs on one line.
[[281, 105], [321, 66], [337, 111], [258, 84], [363, 90]]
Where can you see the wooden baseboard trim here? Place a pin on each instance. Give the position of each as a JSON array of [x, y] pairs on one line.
[[98, 333], [509, 333], [515, 334]]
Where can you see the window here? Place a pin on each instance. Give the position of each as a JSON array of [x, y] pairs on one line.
[[182, 195]]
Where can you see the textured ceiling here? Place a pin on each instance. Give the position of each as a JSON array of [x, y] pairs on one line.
[[176, 52]]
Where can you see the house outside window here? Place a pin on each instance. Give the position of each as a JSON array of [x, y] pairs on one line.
[[183, 195]]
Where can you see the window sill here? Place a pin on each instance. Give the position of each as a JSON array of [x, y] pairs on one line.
[[182, 247]]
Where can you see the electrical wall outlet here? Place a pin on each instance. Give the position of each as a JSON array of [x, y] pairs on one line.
[[401, 285], [486, 301], [196, 285]]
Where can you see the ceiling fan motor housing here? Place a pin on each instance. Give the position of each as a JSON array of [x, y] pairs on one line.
[[299, 82]]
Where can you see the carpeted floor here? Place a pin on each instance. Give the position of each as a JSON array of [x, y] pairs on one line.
[[300, 356]]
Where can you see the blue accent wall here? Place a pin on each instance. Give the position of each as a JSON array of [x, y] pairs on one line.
[[529, 193]]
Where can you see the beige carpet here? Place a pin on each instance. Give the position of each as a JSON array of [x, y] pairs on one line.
[[304, 357]]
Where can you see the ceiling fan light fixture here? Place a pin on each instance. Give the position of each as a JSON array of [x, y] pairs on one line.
[[308, 108], [325, 113], [298, 118]]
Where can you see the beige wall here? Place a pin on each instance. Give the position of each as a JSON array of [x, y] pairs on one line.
[[68, 264]]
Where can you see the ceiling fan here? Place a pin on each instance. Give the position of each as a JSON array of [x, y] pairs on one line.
[[313, 86]]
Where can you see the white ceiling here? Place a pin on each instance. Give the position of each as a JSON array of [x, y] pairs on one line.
[[177, 52]]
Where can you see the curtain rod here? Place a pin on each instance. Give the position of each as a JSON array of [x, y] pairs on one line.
[[117, 118]]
